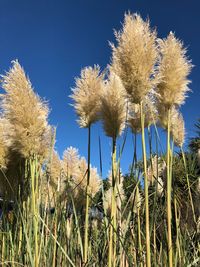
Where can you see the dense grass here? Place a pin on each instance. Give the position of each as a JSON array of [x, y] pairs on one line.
[[60, 212]]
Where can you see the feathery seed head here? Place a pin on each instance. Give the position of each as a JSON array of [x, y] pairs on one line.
[[108, 200], [134, 120], [120, 194], [54, 183], [178, 129], [86, 95], [163, 114], [160, 186], [134, 57], [70, 162], [137, 201], [56, 169], [113, 106], [174, 67], [80, 180], [119, 185], [25, 111], [156, 173], [177, 126], [95, 182]]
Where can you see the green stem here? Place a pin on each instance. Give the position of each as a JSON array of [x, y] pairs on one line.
[[148, 253], [178, 250], [139, 227], [87, 200], [115, 179], [169, 185], [34, 188], [112, 228]]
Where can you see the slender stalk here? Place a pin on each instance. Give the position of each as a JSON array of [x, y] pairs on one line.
[[116, 182], [112, 228], [54, 264], [87, 200], [34, 187], [110, 246], [169, 186], [139, 228], [178, 250], [148, 252], [2, 249]]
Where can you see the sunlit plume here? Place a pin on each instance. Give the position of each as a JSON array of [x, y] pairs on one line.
[[174, 68], [134, 57], [113, 106], [86, 95], [26, 113]]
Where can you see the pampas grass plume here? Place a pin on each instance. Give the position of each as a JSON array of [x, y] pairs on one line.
[[86, 95], [174, 67], [113, 106], [134, 57], [178, 130], [79, 179], [70, 162], [26, 113]]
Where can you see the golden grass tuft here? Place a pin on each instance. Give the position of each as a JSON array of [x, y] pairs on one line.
[[174, 67], [26, 113], [119, 194], [113, 106], [134, 57], [70, 162], [86, 95], [156, 174], [79, 180], [178, 130]]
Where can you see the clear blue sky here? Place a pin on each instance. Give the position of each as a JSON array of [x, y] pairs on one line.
[[53, 40]]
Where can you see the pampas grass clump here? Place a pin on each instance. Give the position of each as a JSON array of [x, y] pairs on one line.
[[26, 113], [134, 57]]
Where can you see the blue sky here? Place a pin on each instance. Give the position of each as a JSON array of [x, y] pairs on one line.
[[53, 40]]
